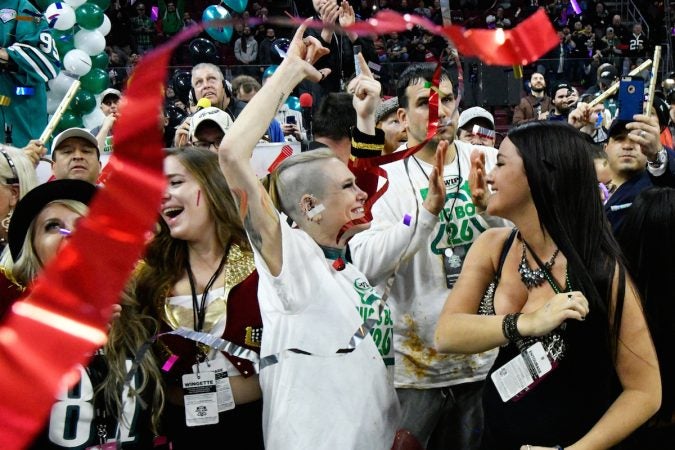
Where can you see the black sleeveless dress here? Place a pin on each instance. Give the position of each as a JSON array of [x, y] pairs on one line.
[[567, 402]]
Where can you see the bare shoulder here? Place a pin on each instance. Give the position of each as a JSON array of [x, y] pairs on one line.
[[494, 237], [491, 242]]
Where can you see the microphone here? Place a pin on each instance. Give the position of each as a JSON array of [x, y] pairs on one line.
[[182, 140], [306, 103], [203, 103]]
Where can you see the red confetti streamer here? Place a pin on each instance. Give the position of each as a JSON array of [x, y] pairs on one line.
[[527, 42], [65, 317]]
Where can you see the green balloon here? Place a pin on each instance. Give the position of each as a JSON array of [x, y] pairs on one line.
[[64, 40], [83, 103], [103, 4], [89, 16], [69, 119], [100, 61], [95, 81]]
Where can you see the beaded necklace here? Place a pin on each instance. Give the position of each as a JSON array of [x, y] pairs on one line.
[[530, 277]]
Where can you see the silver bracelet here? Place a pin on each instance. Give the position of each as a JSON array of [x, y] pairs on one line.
[[661, 158]]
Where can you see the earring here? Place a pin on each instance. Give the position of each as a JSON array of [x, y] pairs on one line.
[[5, 222]]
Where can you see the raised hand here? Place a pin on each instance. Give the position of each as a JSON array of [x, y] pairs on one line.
[[346, 14], [35, 150], [584, 115], [435, 199], [306, 52], [329, 12], [477, 181], [646, 132], [366, 90]]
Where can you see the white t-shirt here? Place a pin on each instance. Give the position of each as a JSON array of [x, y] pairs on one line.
[[419, 290], [324, 400]]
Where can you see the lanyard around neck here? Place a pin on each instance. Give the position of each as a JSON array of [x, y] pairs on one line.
[[199, 308]]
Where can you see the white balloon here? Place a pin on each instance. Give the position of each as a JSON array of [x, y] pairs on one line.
[[60, 16], [60, 85], [93, 119], [77, 61], [91, 41], [53, 101], [104, 29], [75, 3]]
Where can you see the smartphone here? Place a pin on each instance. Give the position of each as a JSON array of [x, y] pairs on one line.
[[290, 120], [357, 66], [631, 97]]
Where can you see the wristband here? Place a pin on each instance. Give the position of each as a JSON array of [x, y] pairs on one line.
[[510, 327]]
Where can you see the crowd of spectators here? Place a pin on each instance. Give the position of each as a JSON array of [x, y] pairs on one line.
[[437, 331], [596, 36]]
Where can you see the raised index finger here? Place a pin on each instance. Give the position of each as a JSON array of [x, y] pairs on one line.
[[365, 70]]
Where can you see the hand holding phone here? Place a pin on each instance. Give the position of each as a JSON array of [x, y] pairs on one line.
[[290, 120]]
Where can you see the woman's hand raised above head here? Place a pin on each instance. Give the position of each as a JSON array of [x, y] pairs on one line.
[[306, 51]]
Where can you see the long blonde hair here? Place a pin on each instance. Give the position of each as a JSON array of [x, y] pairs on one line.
[[127, 334]]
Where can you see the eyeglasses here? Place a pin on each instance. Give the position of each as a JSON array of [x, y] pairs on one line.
[[15, 179], [207, 144]]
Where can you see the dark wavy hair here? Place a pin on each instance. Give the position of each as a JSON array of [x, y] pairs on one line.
[[647, 238], [558, 163]]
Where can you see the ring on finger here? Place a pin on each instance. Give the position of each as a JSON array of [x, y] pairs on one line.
[[642, 133]]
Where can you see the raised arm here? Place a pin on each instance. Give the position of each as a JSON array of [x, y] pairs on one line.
[[260, 218], [366, 91]]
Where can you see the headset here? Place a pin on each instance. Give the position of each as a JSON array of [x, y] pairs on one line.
[[192, 96]]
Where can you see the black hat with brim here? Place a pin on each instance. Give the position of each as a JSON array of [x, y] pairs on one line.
[[618, 128], [28, 208]]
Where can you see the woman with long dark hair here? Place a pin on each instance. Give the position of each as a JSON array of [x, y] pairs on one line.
[[648, 241], [576, 366]]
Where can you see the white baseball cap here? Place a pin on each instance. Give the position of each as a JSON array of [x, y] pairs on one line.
[[111, 91], [212, 114], [74, 132], [474, 113]]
